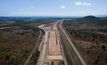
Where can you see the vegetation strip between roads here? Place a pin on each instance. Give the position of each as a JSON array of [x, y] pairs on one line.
[[28, 59], [81, 59]]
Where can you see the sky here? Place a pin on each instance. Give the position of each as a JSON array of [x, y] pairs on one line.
[[52, 7]]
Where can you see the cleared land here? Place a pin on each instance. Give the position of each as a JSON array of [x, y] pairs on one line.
[[54, 47], [54, 54]]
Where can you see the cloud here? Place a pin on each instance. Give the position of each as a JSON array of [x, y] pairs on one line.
[[83, 3], [62, 7], [78, 3]]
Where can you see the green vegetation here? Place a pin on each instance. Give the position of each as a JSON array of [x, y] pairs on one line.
[[34, 58], [90, 34], [17, 40]]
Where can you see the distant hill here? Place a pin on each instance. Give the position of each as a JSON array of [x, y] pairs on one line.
[[90, 17], [89, 20]]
